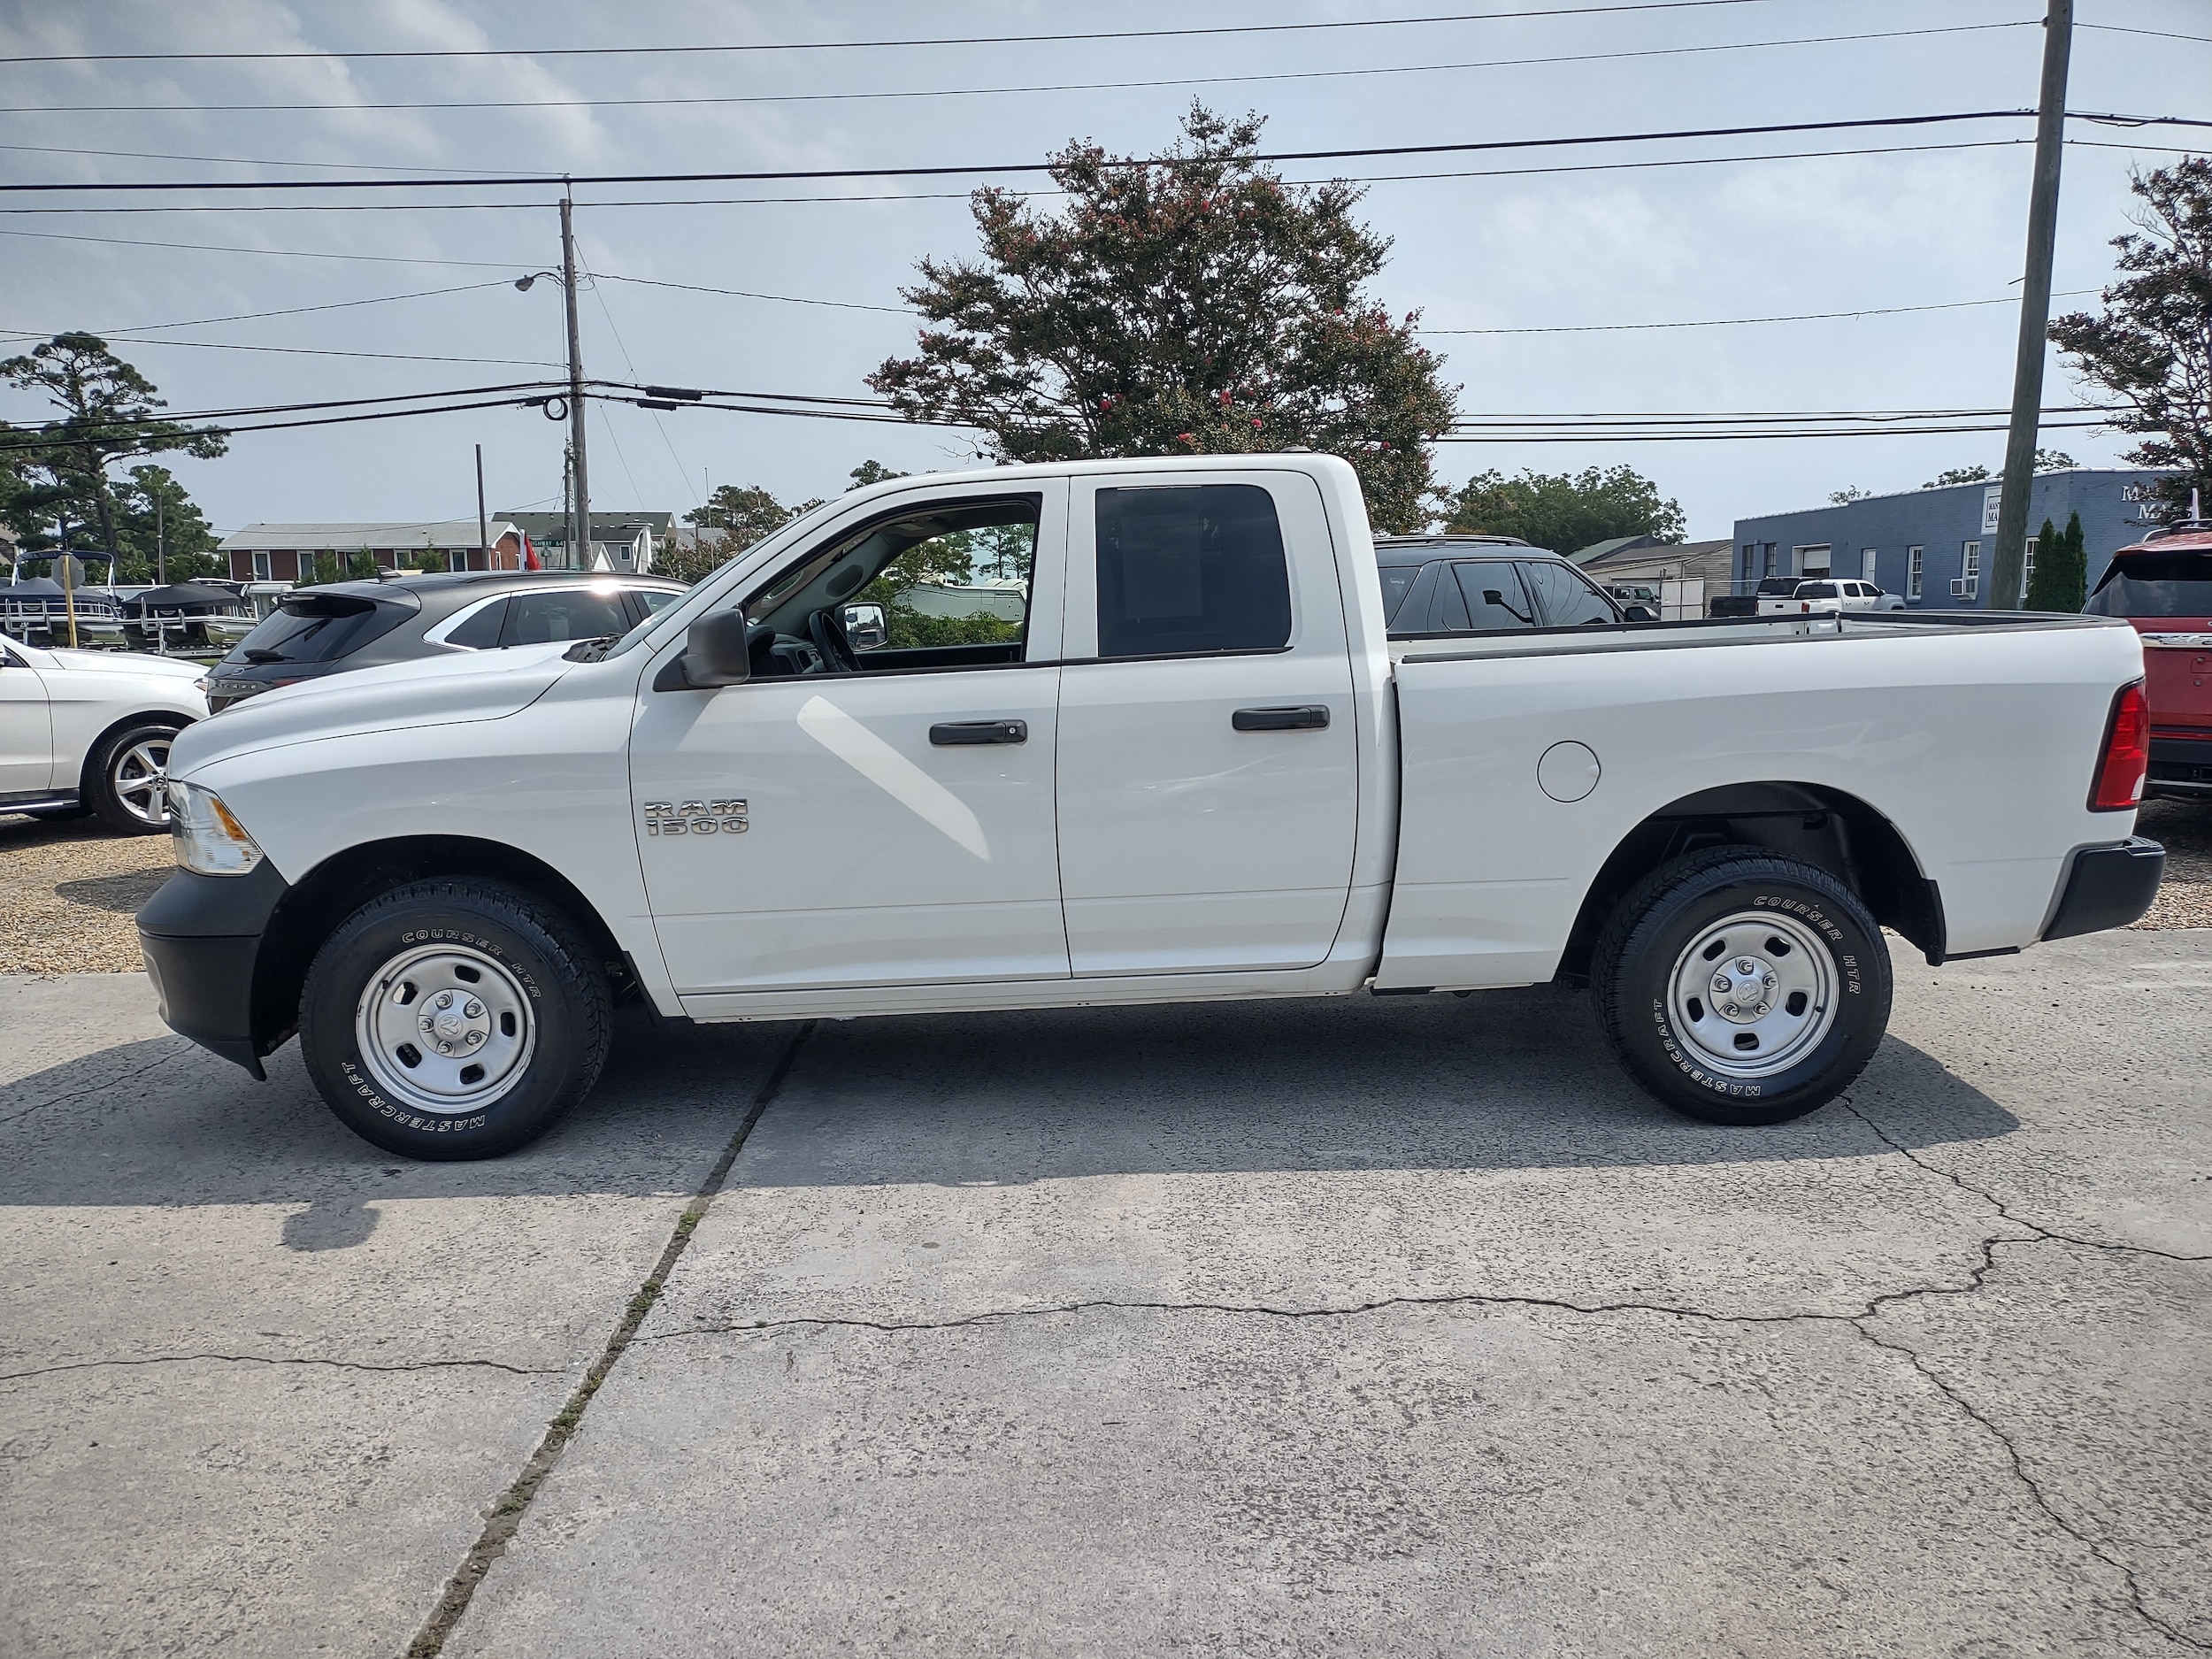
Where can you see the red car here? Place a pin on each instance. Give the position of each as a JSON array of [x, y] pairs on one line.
[[2163, 586]]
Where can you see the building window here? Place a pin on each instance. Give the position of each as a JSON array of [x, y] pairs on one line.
[[1866, 564], [2027, 568], [1766, 567], [1912, 572], [1969, 581], [1809, 561], [261, 567]]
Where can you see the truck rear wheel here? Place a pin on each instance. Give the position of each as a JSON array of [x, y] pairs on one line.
[[1739, 986], [453, 1019]]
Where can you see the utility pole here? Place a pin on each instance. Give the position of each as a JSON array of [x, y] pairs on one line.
[[579, 532], [161, 546], [2010, 557], [483, 527]]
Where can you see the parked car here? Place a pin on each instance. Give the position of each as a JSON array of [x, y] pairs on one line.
[[2163, 586], [90, 731], [342, 626], [1826, 593], [1749, 604], [1200, 770], [1477, 584]]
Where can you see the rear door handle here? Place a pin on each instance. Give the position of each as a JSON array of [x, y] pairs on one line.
[[955, 733], [1309, 717]]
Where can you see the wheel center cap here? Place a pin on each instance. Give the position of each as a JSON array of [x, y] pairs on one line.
[[1743, 989]]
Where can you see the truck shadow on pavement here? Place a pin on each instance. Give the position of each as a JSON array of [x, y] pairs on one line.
[[1504, 1080]]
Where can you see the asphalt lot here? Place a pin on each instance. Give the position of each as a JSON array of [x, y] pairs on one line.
[[1399, 1327]]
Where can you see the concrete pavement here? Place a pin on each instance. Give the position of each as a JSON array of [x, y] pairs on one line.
[[1382, 1326]]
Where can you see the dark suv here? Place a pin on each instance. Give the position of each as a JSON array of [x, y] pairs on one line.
[[1475, 584], [330, 630]]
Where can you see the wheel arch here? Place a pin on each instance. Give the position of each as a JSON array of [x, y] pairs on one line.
[[1831, 828], [312, 907]]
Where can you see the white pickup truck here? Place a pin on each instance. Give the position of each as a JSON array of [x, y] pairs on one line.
[[1195, 768]]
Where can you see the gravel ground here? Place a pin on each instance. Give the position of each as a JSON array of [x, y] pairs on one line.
[[68, 890]]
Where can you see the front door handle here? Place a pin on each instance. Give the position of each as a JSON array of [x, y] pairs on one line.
[[955, 733], [1309, 717]]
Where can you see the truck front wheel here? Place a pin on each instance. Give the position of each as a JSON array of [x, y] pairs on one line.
[[1739, 986], [453, 1019]]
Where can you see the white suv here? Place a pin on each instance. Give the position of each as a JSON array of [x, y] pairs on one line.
[[90, 731]]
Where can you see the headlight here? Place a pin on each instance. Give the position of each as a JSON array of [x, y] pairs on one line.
[[205, 835]]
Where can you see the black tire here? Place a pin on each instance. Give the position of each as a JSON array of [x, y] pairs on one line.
[[1667, 1036], [528, 960]]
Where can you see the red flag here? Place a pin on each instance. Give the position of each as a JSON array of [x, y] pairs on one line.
[[529, 555]]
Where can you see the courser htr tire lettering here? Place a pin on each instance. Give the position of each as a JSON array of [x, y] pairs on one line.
[[494, 974], [1739, 986]]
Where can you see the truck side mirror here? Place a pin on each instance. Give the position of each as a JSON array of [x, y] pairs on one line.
[[866, 626], [1638, 613], [715, 652]]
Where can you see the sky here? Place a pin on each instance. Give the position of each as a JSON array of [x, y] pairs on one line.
[[1577, 255]]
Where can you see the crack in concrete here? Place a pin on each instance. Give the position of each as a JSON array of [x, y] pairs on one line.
[[281, 1359], [2003, 1208], [2021, 1472], [179, 1052], [504, 1519]]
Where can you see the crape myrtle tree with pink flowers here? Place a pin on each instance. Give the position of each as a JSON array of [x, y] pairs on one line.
[[1191, 303]]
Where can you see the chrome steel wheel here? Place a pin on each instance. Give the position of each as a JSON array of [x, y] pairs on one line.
[[445, 1029], [135, 777], [1753, 993]]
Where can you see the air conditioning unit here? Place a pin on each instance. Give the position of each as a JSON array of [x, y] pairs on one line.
[[1963, 586]]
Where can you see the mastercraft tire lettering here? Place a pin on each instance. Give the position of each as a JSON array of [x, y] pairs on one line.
[[1739, 986], [455, 1018]]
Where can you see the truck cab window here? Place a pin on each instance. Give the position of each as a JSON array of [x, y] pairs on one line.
[[940, 585], [1192, 569]]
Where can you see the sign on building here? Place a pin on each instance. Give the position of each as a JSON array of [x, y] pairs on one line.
[[1991, 498]]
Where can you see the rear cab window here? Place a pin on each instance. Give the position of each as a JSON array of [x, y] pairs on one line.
[[2154, 584], [1195, 569]]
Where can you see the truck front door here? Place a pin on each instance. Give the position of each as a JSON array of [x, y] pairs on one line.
[[1209, 762], [869, 814]]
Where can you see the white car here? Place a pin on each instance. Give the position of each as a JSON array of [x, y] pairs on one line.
[[1195, 768], [90, 731], [1827, 595]]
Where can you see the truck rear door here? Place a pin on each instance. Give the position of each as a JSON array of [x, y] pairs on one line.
[[1208, 769]]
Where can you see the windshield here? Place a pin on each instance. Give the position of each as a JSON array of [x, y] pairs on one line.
[[317, 628], [820, 509], [2174, 585]]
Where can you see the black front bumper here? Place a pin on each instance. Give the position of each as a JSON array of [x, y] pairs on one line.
[[2108, 886], [202, 937]]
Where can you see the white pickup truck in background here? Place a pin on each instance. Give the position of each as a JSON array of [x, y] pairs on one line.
[[1838, 593], [1193, 768]]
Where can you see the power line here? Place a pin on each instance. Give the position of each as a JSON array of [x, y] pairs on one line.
[[296, 310], [292, 351], [2162, 35], [762, 177], [907, 195], [243, 161], [286, 253], [1258, 76], [841, 46], [747, 294], [1735, 322]]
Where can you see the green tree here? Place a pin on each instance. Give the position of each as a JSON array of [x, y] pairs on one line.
[[2150, 354], [735, 518], [1191, 303], [2061, 581], [1564, 512], [108, 416]]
